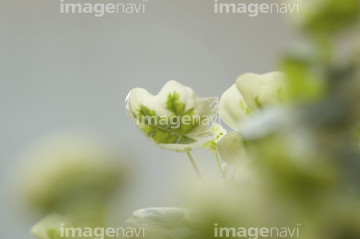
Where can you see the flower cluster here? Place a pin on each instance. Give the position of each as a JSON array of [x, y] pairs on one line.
[[249, 94]]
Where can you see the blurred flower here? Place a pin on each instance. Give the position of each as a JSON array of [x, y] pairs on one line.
[[174, 119], [328, 16], [305, 77], [250, 93], [69, 172], [163, 222], [219, 132]]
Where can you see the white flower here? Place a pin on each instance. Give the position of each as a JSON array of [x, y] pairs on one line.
[[175, 118], [250, 93]]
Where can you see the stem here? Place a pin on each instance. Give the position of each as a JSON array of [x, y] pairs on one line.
[[219, 165], [193, 163]]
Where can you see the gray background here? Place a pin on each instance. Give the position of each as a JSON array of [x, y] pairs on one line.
[[74, 71]]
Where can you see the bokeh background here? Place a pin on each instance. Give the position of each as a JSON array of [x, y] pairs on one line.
[[63, 72]]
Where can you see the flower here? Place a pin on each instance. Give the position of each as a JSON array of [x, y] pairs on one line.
[[165, 222], [69, 170], [250, 93], [219, 132], [174, 119]]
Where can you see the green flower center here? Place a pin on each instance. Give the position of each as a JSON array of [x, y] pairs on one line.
[[169, 129]]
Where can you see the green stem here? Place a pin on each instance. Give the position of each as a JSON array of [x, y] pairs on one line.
[[193, 163], [219, 165]]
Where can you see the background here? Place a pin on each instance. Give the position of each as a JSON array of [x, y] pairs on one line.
[[73, 71]]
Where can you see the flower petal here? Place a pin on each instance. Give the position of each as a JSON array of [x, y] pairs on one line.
[[260, 90], [163, 221], [231, 148], [232, 107]]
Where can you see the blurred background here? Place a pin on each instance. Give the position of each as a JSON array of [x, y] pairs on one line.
[[64, 72]]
